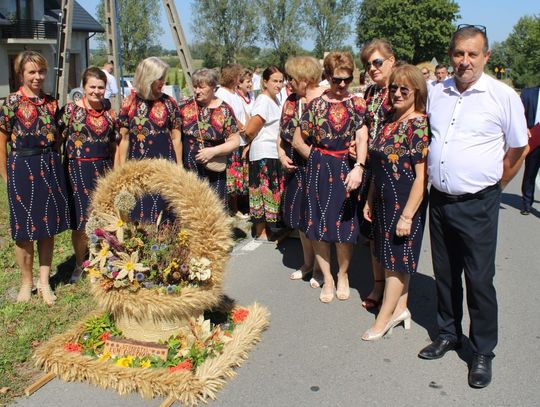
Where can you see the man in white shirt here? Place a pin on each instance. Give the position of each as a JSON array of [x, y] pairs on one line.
[[441, 73], [479, 140], [111, 88]]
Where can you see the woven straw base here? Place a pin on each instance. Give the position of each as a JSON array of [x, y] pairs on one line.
[[150, 331], [185, 386]]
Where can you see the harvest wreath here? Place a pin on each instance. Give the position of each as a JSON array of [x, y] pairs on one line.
[[164, 327]]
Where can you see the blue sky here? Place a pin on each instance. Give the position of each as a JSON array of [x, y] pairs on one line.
[[497, 15]]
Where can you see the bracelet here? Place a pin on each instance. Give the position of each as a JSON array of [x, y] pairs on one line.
[[401, 217], [361, 165]]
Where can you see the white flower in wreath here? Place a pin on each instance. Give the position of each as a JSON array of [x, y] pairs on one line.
[[99, 257], [199, 269], [128, 265], [115, 225]]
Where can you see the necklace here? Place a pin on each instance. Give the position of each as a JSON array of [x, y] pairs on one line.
[[91, 111], [247, 100], [39, 101]]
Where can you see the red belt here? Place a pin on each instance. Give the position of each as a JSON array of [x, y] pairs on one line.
[[341, 154], [90, 158]]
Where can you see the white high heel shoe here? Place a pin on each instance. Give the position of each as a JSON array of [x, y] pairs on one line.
[[370, 335], [404, 317]]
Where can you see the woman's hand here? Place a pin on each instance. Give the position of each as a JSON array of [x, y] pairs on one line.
[[354, 178], [287, 163], [205, 154], [245, 152], [367, 211], [403, 227]]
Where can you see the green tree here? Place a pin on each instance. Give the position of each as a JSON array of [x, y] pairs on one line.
[[522, 49], [330, 21], [282, 26], [139, 27], [417, 29], [224, 27]]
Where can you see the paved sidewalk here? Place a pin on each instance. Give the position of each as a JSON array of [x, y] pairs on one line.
[[312, 354]]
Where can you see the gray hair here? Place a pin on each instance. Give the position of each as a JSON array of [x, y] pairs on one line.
[[467, 32], [205, 76], [148, 71]]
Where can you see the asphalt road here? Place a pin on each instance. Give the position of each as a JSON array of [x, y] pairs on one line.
[[312, 355]]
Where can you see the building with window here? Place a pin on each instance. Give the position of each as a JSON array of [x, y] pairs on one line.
[[33, 25]]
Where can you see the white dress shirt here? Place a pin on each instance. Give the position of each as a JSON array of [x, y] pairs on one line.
[[470, 133]]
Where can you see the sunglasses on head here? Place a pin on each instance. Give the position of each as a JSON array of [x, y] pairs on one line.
[[337, 81], [377, 63], [404, 91], [480, 28]]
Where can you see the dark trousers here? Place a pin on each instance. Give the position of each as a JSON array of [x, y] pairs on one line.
[[464, 239], [532, 165]]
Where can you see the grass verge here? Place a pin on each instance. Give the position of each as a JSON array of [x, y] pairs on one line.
[[25, 326]]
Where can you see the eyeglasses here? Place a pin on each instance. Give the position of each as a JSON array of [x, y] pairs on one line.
[[377, 63], [337, 81], [480, 28], [403, 90]]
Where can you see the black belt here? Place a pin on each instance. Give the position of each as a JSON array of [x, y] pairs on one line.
[[466, 197], [30, 151]]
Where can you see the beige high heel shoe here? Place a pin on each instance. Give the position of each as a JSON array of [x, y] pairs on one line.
[[47, 294], [371, 335], [404, 317], [299, 274], [343, 291], [25, 292]]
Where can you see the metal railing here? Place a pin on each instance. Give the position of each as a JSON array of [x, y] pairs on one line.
[[30, 29]]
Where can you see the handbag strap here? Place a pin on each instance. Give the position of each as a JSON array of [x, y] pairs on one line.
[[199, 136]]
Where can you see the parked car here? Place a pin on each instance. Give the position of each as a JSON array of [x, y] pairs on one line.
[[126, 85]]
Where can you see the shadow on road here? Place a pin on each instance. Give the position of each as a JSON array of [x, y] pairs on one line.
[[422, 293], [514, 201]]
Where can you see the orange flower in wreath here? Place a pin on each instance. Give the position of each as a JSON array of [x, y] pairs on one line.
[[185, 365], [239, 315]]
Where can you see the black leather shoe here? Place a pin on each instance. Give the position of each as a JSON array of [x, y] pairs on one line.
[[438, 348], [480, 371], [525, 212]]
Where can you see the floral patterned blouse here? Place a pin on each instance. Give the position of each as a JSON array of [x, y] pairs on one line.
[[29, 124], [150, 123], [86, 135], [203, 125]]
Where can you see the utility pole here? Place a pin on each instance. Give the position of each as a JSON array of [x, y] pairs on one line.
[[113, 56], [63, 52], [182, 48]]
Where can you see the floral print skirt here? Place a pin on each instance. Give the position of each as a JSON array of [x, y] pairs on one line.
[[265, 189], [237, 173]]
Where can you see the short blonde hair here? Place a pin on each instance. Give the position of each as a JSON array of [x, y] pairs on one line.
[[205, 76], [304, 68], [148, 71], [413, 77], [337, 60], [29, 56]]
